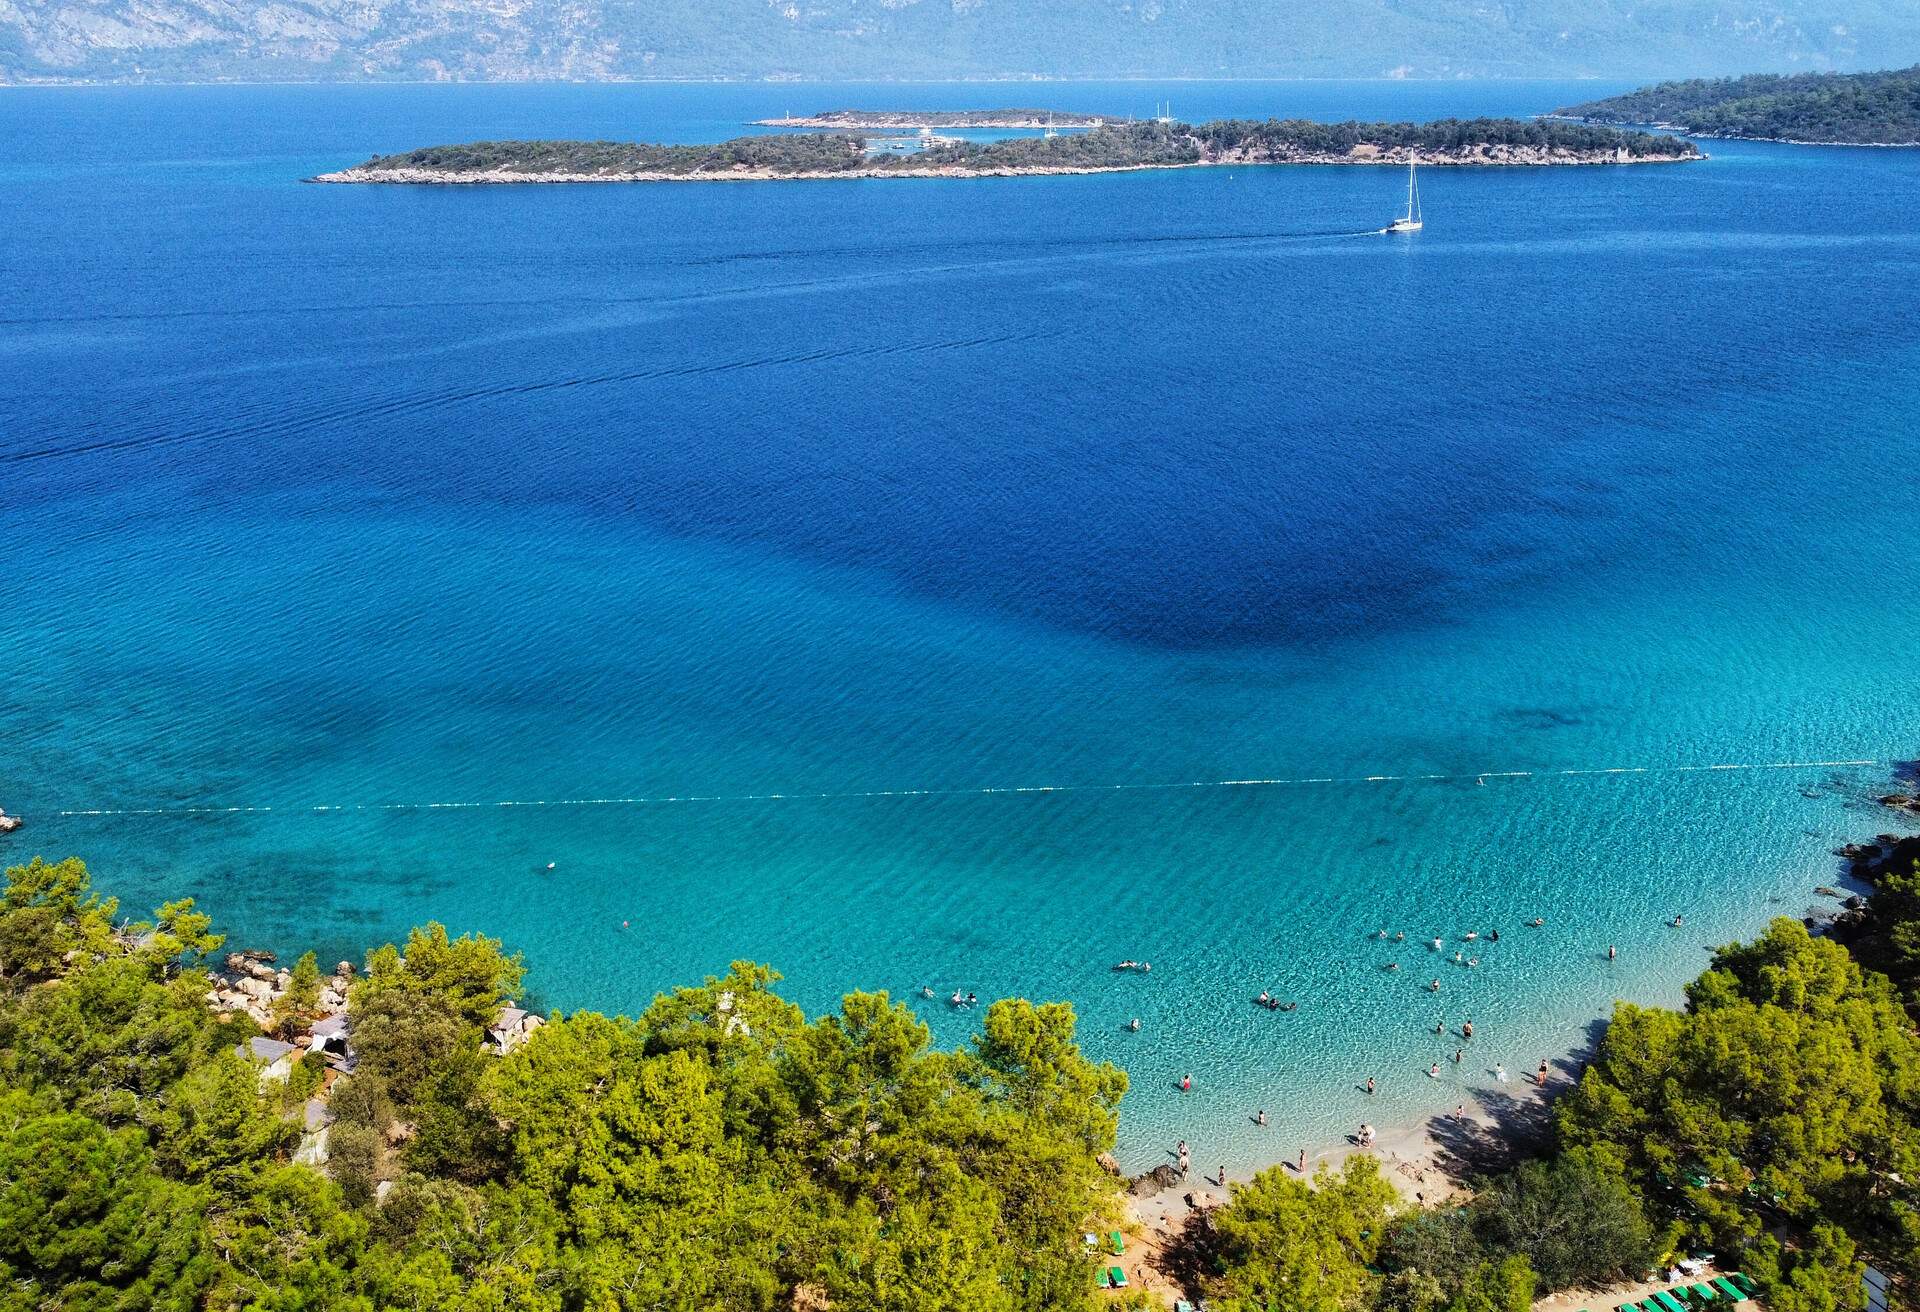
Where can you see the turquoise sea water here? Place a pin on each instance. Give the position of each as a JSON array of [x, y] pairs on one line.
[[357, 498]]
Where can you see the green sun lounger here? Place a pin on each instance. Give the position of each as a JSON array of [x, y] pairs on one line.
[[1742, 1283], [1119, 1244], [1116, 1278], [1668, 1302], [1728, 1288], [1705, 1293]]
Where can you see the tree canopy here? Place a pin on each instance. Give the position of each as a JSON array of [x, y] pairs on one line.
[[720, 1150]]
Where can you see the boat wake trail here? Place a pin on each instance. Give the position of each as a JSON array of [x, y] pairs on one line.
[[673, 799]]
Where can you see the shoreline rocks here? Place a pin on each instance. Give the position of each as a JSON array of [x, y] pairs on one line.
[[1478, 156]]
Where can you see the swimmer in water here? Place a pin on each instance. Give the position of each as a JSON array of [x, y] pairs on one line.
[[1134, 1024], [1434, 987], [1433, 1071], [1400, 937], [1536, 922]]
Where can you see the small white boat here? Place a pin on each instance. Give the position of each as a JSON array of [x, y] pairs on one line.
[[1410, 221]]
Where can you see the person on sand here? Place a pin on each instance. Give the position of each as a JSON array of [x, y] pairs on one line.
[[1301, 1165], [1460, 1112]]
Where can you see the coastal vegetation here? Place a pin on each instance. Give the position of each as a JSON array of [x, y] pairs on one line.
[[940, 118], [1112, 147], [719, 1150], [1774, 1122], [723, 1150], [1833, 108]]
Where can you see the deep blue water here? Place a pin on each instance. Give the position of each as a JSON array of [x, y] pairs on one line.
[[357, 497]]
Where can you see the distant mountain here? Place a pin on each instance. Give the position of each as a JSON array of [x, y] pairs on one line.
[[318, 40], [1850, 108]]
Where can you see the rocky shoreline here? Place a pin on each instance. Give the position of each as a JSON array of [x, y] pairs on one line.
[[893, 120], [1495, 156]]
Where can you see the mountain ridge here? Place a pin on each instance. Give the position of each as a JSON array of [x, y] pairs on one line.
[[913, 40]]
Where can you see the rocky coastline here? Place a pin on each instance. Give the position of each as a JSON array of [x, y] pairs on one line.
[[890, 119], [1481, 156]]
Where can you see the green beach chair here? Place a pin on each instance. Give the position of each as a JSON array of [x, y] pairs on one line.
[[1742, 1283], [1668, 1302], [1728, 1288], [1705, 1293], [1116, 1278], [1119, 1244]]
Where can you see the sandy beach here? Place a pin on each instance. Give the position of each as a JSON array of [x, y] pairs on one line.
[[1428, 1161]]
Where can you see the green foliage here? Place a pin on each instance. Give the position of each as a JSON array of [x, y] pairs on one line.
[[1574, 1217], [1114, 146], [471, 974], [1504, 1286], [1282, 1244], [293, 1009], [50, 915], [1853, 108], [408, 1037], [721, 1151], [1787, 1090]]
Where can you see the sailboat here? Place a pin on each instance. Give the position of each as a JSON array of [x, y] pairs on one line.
[[1410, 221]]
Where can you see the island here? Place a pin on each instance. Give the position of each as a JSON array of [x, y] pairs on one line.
[[1812, 109], [1108, 149], [889, 119]]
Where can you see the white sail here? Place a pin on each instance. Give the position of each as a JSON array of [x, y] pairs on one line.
[[1410, 221]]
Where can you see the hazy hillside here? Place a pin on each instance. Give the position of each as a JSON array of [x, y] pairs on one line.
[[1850, 108], [172, 40]]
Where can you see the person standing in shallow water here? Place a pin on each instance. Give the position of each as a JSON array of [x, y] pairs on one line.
[[1369, 1084]]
